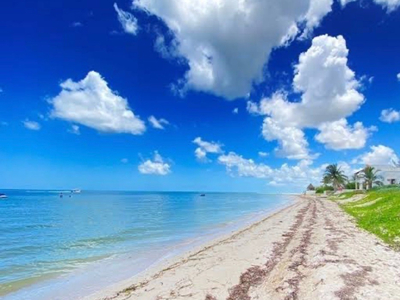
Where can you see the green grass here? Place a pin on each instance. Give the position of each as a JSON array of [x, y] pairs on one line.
[[379, 215], [346, 195]]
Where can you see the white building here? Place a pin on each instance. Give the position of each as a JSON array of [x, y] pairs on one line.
[[390, 174]]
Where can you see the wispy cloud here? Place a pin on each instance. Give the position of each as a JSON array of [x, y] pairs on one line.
[[157, 123], [127, 20], [31, 125], [76, 24], [75, 130]]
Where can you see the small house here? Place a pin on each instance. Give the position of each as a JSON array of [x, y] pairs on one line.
[[390, 175]]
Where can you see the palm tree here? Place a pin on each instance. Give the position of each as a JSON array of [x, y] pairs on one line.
[[335, 176], [326, 180], [370, 175]]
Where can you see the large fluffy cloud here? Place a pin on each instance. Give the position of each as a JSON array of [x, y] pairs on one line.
[[378, 155], [92, 103], [317, 10], [157, 166], [339, 135], [329, 94], [327, 85], [226, 43], [292, 141]]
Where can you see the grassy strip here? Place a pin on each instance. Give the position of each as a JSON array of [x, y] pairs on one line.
[[346, 195], [378, 212]]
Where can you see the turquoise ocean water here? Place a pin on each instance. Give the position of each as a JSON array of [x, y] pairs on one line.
[[81, 243]]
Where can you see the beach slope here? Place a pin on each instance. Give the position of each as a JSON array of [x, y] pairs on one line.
[[310, 250]]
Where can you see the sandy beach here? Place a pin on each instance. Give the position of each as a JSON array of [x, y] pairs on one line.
[[309, 250]]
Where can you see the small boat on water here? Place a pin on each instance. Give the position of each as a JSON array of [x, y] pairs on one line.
[[3, 196], [76, 191], [202, 195]]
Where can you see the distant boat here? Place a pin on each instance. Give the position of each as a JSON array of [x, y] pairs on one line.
[[202, 195], [3, 196], [76, 191]]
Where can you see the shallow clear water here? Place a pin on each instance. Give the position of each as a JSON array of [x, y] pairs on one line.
[[43, 235]]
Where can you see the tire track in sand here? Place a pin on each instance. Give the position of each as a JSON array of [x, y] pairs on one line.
[[257, 275]]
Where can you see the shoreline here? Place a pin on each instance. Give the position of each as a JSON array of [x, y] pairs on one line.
[[69, 282], [165, 262], [308, 250]]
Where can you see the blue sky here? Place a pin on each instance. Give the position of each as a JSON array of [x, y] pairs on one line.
[[178, 95]]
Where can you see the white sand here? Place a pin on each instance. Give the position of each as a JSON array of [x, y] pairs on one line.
[[310, 250]]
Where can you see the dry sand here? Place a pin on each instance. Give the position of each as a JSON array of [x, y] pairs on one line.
[[310, 250]]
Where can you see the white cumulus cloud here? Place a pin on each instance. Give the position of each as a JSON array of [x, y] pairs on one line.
[[291, 140], [299, 174], [226, 43], [253, 108], [328, 94], [379, 155], [390, 115], [128, 21], [327, 85], [90, 102], [32, 125], [157, 166], [317, 10], [339, 135], [245, 167], [205, 147], [158, 123]]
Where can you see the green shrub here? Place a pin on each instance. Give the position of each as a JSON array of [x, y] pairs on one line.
[[350, 186], [384, 188], [322, 189]]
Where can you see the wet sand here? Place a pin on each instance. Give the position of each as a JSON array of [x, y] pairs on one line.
[[309, 250]]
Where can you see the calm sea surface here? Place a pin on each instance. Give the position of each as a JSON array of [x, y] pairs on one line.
[[44, 237]]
